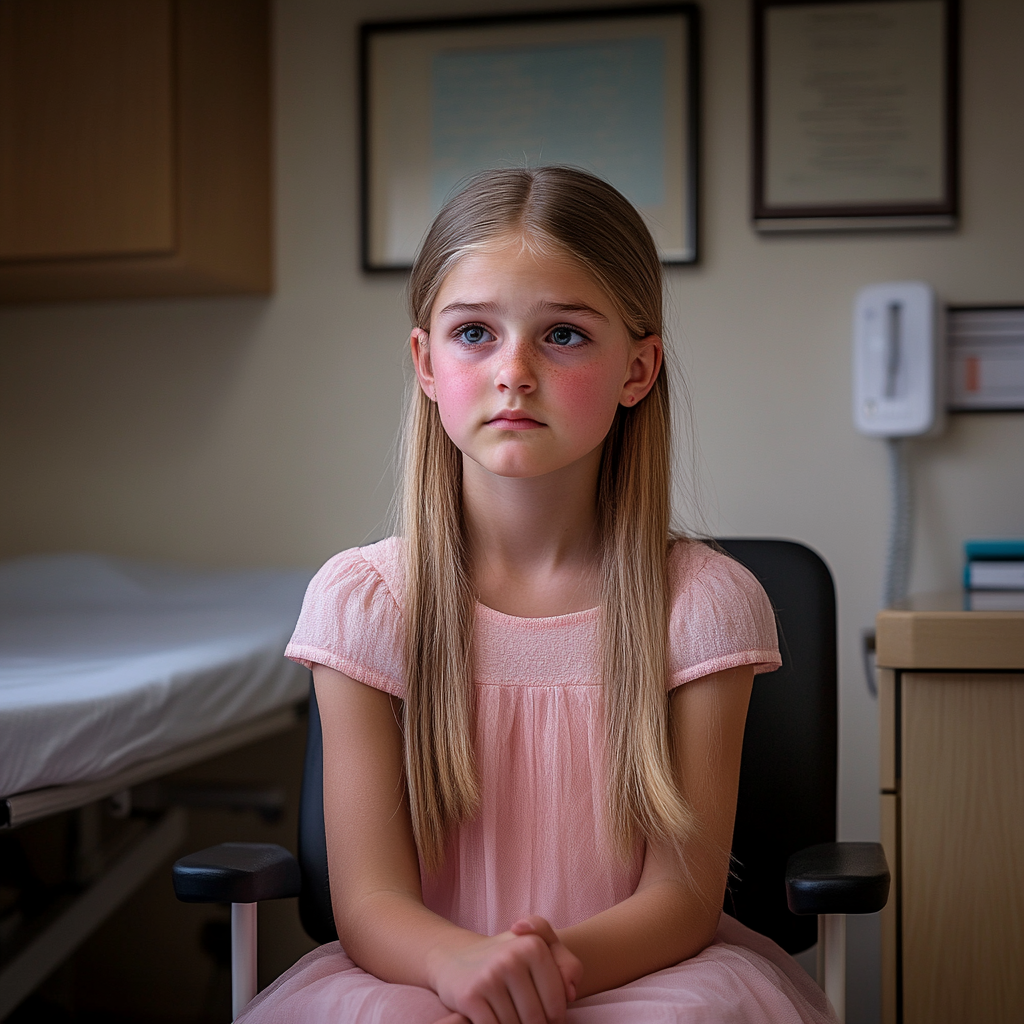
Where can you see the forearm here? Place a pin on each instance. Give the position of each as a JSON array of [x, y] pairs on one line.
[[525, 971], [393, 936], [659, 925], [378, 907]]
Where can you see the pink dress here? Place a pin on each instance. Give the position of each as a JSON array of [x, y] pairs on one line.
[[537, 845]]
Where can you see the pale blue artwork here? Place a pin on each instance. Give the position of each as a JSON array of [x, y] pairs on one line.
[[596, 105]]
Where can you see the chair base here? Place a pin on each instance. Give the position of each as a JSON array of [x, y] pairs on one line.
[[243, 956], [832, 960]]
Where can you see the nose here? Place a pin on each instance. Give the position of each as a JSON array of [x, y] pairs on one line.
[[515, 372]]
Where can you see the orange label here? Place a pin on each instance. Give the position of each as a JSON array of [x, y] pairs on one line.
[[972, 374]]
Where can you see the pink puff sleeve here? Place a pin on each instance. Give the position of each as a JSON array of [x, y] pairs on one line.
[[720, 616], [350, 621]]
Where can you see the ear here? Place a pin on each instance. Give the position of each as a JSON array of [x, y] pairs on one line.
[[419, 343], [644, 367]]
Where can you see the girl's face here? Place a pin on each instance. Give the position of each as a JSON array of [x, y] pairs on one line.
[[528, 360]]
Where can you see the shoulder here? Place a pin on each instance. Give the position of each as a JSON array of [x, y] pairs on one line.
[[351, 618], [719, 615], [698, 571], [378, 565]]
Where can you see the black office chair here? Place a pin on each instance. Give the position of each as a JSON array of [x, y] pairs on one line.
[[787, 867]]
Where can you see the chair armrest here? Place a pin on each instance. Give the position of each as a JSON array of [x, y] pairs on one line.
[[837, 878], [237, 873]]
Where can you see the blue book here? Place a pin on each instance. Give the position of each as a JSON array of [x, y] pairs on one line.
[[989, 550]]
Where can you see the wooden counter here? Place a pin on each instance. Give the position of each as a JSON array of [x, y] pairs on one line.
[[951, 695], [936, 631]]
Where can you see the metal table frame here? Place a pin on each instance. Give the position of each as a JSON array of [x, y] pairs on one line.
[[159, 840]]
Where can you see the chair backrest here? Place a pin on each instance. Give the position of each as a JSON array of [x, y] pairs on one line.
[[787, 796]]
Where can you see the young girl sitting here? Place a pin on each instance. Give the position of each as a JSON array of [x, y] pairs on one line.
[[533, 701]]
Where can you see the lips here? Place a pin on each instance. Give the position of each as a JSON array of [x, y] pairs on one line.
[[514, 419]]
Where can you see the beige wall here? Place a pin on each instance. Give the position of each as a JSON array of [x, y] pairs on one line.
[[243, 431]]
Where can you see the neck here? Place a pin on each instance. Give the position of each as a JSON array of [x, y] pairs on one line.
[[533, 542]]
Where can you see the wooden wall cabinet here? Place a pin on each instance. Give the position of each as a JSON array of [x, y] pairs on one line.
[[134, 148], [951, 694]]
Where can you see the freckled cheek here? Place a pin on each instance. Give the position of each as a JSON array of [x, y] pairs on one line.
[[588, 399]]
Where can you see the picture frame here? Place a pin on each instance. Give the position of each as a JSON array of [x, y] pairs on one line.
[[612, 90], [855, 114], [985, 358]]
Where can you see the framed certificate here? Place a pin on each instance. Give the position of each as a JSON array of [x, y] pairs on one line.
[[855, 114], [613, 91]]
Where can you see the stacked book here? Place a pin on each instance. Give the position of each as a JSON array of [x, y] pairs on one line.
[[994, 574]]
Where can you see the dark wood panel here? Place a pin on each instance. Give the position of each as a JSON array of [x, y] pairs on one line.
[[86, 128], [220, 166]]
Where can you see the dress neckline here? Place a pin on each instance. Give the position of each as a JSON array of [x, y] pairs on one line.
[[567, 618]]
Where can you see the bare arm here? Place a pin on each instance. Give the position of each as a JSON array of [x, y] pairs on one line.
[[675, 909], [375, 881], [372, 858]]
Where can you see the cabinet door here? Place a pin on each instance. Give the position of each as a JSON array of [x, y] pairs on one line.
[[962, 831], [86, 128], [134, 148]]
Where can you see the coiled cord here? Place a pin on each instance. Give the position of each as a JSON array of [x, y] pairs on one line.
[[897, 565]]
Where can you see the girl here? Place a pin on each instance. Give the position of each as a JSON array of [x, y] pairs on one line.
[[533, 702]]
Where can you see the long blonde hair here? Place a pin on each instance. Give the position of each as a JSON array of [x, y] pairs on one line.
[[589, 222]]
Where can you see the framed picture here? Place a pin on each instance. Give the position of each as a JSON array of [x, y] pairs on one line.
[[855, 114], [985, 347], [613, 91]]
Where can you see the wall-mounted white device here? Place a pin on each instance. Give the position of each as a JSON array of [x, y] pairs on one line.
[[898, 361]]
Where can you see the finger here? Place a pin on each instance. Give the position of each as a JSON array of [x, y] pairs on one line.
[[551, 988], [544, 981], [504, 1007], [537, 925], [528, 1006], [479, 1011], [569, 967], [454, 1018], [569, 986]]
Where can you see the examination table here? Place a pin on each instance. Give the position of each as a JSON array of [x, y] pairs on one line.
[[114, 673]]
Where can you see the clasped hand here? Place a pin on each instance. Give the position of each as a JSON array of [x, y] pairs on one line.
[[522, 976]]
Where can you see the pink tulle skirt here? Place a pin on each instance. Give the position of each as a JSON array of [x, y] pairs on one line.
[[741, 977]]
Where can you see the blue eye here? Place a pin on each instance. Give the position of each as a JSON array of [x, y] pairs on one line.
[[474, 334], [563, 336]]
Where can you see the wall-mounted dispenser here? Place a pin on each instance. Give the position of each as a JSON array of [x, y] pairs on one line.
[[899, 392], [898, 361]]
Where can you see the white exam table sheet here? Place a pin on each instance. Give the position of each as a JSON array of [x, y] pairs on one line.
[[107, 662]]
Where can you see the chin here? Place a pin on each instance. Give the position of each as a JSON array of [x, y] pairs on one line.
[[516, 472], [514, 468], [521, 469]]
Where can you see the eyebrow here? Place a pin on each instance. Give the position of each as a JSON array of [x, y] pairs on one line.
[[540, 307]]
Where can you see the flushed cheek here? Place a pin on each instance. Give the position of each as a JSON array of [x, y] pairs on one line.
[[458, 398], [587, 400]]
